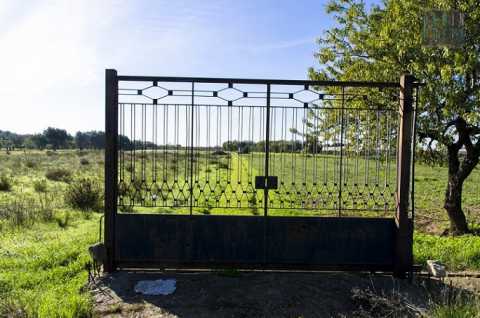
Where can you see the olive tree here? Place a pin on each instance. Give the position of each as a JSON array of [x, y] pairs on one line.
[[381, 42]]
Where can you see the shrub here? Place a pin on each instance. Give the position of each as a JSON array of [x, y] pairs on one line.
[[5, 183], [63, 221], [25, 211], [50, 153], [18, 213], [81, 153], [59, 174], [84, 194], [30, 163], [84, 161], [40, 186]]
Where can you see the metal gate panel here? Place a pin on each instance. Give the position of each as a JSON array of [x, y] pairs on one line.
[[292, 242], [306, 163]]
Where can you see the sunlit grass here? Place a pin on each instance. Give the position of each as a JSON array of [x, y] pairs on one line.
[[42, 269]]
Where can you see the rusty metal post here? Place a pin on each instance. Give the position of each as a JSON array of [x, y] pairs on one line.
[[111, 165], [403, 256]]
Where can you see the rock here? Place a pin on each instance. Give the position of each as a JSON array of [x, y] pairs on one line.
[[156, 287], [436, 269]]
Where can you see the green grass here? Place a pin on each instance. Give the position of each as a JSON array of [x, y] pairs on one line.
[[42, 259], [460, 309], [457, 253], [42, 269]]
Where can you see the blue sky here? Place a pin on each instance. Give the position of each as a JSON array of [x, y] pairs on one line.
[[53, 53]]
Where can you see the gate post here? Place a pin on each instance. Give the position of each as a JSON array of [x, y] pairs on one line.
[[111, 166], [403, 255]]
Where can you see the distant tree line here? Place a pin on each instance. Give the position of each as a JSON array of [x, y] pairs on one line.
[[55, 138], [274, 146]]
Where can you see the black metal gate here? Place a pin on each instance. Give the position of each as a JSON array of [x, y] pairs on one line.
[[245, 173]]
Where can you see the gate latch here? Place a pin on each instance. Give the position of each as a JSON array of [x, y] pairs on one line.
[[262, 182]]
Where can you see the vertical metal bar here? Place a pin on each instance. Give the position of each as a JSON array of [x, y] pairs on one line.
[[267, 150], [191, 149], [265, 191], [111, 165], [340, 172], [414, 143], [404, 237]]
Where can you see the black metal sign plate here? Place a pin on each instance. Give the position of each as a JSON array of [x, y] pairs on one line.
[[262, 182]]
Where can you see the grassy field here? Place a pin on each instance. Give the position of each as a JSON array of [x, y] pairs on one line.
[[44, 233], [42, 269]]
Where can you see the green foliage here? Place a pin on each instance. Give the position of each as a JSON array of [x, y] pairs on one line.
[[455, 303], [63, 220], [457, 253], [59, 174], [380, 43], [40, 186], [81, 153], [42, 270], [5, 183], [58, 138], [461, 309], [84, 194], [24, 212], [31, 163], [84, 162]]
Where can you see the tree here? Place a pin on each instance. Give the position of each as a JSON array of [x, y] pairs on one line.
[[39, 141], [81, 140], [58, 138], [383, 42]]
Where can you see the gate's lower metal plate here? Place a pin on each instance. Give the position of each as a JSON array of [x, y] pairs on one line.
[[145, 240]]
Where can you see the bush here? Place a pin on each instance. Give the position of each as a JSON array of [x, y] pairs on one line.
[[30, 163], [50, 153], [40, 186], [84, 161], [59, 174], [5, 183], [24, 212], [81, 153], [84, 194], [63, 221], [17, 213]]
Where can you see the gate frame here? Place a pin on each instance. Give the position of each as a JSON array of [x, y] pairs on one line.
[[403, 254]]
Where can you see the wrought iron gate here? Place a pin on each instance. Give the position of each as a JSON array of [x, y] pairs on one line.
[[214, 172]]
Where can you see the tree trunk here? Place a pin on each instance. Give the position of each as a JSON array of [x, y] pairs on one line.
[[453, 205]]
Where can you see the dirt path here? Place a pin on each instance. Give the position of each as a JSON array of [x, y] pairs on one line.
[[253, 294]]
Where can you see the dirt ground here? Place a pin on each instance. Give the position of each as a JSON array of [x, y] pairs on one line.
[[260, 294]]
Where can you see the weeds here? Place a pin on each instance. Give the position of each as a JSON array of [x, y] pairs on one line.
[[63, 220], [59, 174], [46, 275], [84, 194], [17, 213], [5, 183], [81, 153], [455, 303], [457, 253], [40, 186], [30, 163], [24, 212]]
